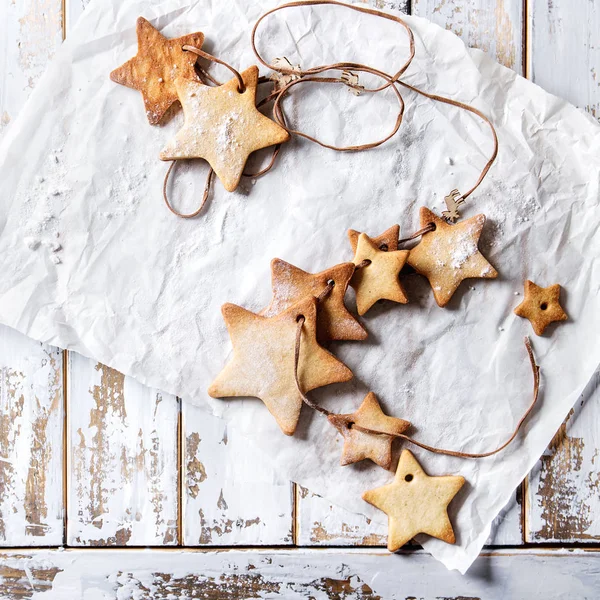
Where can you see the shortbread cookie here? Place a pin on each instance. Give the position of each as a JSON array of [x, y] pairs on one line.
[[158, 63], [291, 284], [450, 254], [541, 306], [262, 364], [416, 503], [378, 280], [359, 445], [388, 240], [223, 126]]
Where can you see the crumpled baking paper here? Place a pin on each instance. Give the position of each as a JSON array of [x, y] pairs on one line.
[[91, 260]]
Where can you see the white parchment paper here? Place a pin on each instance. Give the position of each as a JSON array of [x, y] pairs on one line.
[[91, 260]]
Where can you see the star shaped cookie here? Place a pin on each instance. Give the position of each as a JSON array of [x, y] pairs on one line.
[[359, 445], [262, 364], [291, 284], [158, 63], [541, 306], [379, 279], [416, 503], [388, 240], [223, 126], [450, 254]]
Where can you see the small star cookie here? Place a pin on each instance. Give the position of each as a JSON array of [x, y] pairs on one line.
[[541, 306], [388, 240], [291, 284], [223, 126], [416, 503], [158, 63], [378, 280], [449, 254], [359, 445], [262, 365]]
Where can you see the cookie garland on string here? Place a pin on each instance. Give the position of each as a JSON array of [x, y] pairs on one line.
[[278, 359], [224, 126]]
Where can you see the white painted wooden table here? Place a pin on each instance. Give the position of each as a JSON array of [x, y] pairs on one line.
[[90, 458]]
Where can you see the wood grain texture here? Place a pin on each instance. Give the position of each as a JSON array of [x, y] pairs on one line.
[[30, 32], [232, 495], [564, 50], [564, 488], [31, 442], [295, 574], [563, 496], [123, 465], [494, 26]]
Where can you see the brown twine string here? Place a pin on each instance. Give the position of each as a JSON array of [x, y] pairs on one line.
[[198, 52], [536, 386], [307, 75], [207, 185]]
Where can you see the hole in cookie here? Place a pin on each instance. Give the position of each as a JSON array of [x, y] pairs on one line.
[[384, 247], [544, 305], [331, 282], [349, 425], [432, 226], [300, 318], [408, 477]]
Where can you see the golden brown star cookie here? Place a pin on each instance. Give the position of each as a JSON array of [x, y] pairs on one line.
[[378, 280], [388, 240], [262, 364], [359, 445], [416, 503], [158, 63], [450, 254], [291, 284], [541, 306], [222, 126]]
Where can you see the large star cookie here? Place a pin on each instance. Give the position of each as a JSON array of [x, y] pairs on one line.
[[416, 503], [291, 284], [541, 306], [262, 364], [158, 63], [358, 444], [450, 254], [223, 126], [378, 280]]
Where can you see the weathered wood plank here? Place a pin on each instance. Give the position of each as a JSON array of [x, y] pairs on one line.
[[30, 32], [31, 442], [564, 55], [494, 26], [123, 459], [563, 498], [564, 488], [320, 523], [31, 391], [295, 574], [232, 496]]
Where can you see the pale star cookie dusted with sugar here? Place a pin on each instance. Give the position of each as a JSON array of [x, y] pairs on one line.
[[158, 63], [416, 503], [376, 276], [291, 284], [450, 254], [263, 361], [541, 306], [222, 126], [359, 445]]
